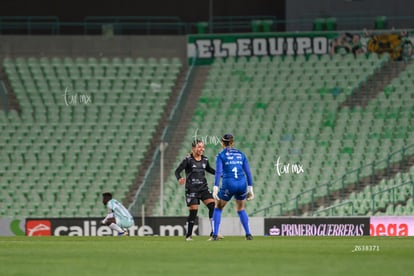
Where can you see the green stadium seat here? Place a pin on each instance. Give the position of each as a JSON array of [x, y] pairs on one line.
[[381, 22]]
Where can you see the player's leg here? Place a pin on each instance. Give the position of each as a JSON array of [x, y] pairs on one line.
[[192, 209], [240, 197], [218, 210], [112, 223], [192, 201], [208, 200], [244, 219], [125, 223], [225, 194]]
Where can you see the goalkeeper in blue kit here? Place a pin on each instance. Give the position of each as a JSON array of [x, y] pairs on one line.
[[232, 166]]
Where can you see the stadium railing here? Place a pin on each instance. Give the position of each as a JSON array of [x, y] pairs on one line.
[[376, 197], [268, 210], [331, 210], [324, 191], [125, 25], [233, 24], [29, 24]]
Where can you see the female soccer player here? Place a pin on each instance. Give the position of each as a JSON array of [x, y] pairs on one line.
[[196, 186], [233, 167]]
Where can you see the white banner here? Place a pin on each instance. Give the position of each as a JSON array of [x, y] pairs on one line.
[[231, 226]]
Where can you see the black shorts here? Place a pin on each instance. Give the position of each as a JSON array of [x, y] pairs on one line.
[[194, 198]]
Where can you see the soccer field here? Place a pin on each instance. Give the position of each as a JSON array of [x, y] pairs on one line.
[[230, 256]]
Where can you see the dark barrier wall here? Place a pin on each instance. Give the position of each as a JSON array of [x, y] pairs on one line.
[[349, 13], [154, 226], [187, 10], [326, 226]]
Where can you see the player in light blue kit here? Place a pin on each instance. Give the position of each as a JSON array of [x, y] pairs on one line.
[[118, 217], [233, 167]]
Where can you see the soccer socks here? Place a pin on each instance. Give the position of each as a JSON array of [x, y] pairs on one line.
[[244, 221], [210, 207], [190, 222], [116, 227], [216, 221]]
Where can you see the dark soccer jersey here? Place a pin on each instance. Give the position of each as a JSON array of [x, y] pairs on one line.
[[195, 172]]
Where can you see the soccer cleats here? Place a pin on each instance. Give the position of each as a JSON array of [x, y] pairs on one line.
[[249, 237]]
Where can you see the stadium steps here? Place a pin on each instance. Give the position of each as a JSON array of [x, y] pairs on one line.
[[175, 142], [375, 84], [12, 100], [157, 139]]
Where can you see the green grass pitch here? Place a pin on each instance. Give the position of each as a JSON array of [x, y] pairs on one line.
[[230, 256]]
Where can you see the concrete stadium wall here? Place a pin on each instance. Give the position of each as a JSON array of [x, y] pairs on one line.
[[94, 46], [302, 9]]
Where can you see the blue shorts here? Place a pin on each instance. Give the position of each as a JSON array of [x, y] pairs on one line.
[[230, 188]]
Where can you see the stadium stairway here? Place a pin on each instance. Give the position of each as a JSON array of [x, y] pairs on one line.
[[12, 102], [375, 84], [155, 142], [180, 125]]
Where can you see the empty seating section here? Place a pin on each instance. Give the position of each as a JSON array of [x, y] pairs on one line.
[[389, 126], [85, 125], [290, 109], [389, 197]]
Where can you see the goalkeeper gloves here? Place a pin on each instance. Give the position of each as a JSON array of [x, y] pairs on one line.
[[250, 194], [215, 192]]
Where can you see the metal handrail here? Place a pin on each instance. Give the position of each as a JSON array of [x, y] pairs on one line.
[[333, 207], [328, 186], [152, 24]]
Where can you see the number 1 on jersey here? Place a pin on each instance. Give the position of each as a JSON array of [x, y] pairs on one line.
[[235, 172]]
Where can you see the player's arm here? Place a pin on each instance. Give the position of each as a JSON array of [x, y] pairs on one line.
[[246, 168], [179, 169], [217, 176], [219, 171], [210, 169], [247, 171], [109, 217]]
